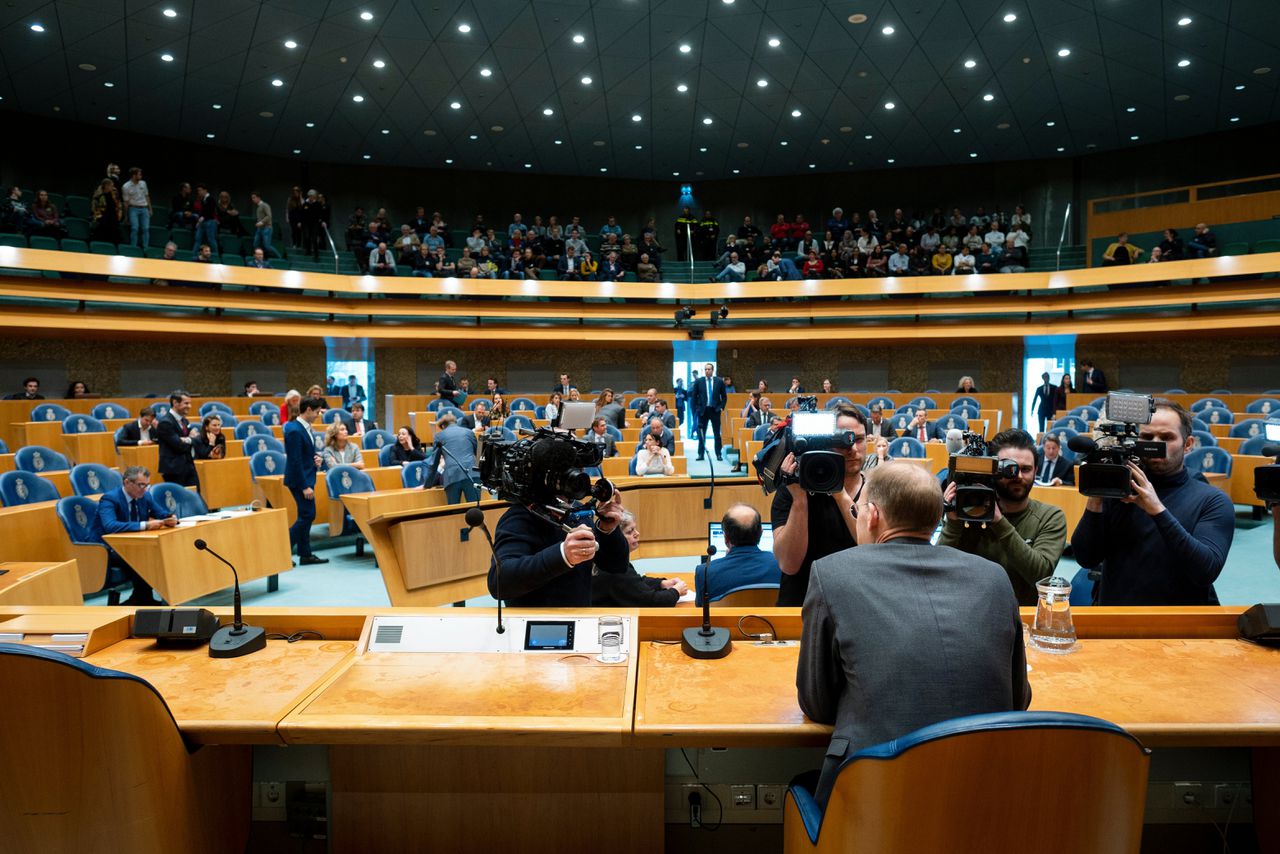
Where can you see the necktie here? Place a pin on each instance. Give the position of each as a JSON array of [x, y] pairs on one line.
[[922, 438], [133, 511], [1048, 467]]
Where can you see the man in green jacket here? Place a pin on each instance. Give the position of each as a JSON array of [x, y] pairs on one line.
[[1027, 536]]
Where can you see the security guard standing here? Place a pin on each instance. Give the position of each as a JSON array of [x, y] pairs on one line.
[[708, 237], [686, 226]]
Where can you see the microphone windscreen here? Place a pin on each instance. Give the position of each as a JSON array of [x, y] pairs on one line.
[[1082, 444], [201, 545], [1271, 450], [475, 517], [711, 550]]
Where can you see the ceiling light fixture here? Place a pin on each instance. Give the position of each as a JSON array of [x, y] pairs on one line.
[[955, 130], [579, 38], [1131, 109], [217, 106], [366, 16], [297, 151], [111, 118], [795, 114], [449, 161], [311, 124], [209, 136], [37, 28], [888, 31], [1064, 52], [970, 63], [277, 82], [473, 137], [386, 131], [528, 166], [867, 136], [784, 142], [988, 97], [775, 42], [166, 57], [486, 72], [1234, 119], [889, 105], [464, 28], [368, 156], [684, 48], [1184, 21], [359, 99], [558, 141], [378, 63], [813, 165], [1240, 87], [171, 13], [291, 44], [973, 154], [1010, 18], [1134, 137], [1183, 63], [762, 83], [454, 105], [703, 149], [736, 172], [682, 88], [891, 160], [1061, 148], [675, 174], [639, 147], [547, 111], [635, 117], [604, 169], [109, 85], [586, 81], [707, 120]]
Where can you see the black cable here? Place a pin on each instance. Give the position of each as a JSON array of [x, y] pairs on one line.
[[296, 636], [719, 805], [747, 634]]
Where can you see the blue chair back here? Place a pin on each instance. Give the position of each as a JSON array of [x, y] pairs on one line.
[[1098, 402], [479, 400], [634, 405], [38, 459], [523, 404], [385, 457], [1088, 413], [1216, 415], [1208, 401], [414, 474], [952, 421], [4, 449], [436, 404], [49, 412], [1199, 424], [94, 479], [335, 414], [377, 439], [78, 423], [908, 447], [610, 430], [1205, 439], [108, 411], [262, 442], [832, 403], [267, 464], [210, 406], [178, 500], [508, 435], [1063, 435], [1175, 391], [631, 465], [1081, 588], [260, 408], [343, 480], [1075, 422], [1253, 447], [1209, 461], [1263, 406], [966, 400], [228, 420], [451, 410], [1248, 428], [761, 433], [245, 429], [886, 403], [514, 422], [923, 402], [964, 410], [1220, 391], [79, 516], [22, 487], [161, 409], [271, 417]]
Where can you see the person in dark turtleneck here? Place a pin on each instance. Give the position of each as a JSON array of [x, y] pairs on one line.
[[1166, 544]]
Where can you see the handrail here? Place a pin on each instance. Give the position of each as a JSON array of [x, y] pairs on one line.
[[334, 249], [1143, 193], [1066, 218]]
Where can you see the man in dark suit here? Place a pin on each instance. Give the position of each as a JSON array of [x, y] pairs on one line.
[[447, 386], [1045, 400], [744, 563], [30, 391], [352, 393], [1092, 380], [457, 446], [301, 464], [879, 426], [127, 508], [173, 435], [479, 417], [358, 424], [660, 411], [140, 432], [599, 435], [1054, 469], [924, 430], [666, 438], [899, 634], [564, 387], [709, 399]]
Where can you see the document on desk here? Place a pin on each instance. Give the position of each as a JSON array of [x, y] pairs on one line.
[[188, 521]]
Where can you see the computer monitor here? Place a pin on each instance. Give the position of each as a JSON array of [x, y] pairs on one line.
[[577, 415], [715, 537]]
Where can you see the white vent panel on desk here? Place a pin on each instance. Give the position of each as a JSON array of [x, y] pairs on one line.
[[422, 633]]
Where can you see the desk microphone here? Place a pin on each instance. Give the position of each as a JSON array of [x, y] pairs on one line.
[[475, 519], [237, 639], [706, 642]]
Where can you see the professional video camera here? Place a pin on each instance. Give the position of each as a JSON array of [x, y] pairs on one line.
[[1104, 471], [545, 473], [814, 438], [1266, 479], [975, 472]]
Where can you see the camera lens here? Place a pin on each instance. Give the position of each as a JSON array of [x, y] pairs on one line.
[[573, 484]]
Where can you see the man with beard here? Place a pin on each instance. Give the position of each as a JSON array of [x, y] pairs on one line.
[[1166, 543], [1027, 536]]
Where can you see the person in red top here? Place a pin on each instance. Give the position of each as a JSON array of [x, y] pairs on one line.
[[798, 230], [780, 233], [813, 266]]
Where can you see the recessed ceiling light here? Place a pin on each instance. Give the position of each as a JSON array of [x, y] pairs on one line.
[[703, 149], [267, 114], [87, 66], [1131, 109], [291, 44], [558, 141], [813, 165], [297, 151], [857, 18], [497, 128], [684, 48], [955, 130], [486, 72], [579, 38], [586, 81], [784, 142], [1183, 97], [277, 82], [547, 111], [1234, 118], [311, 124], [428, 132], [1050, 124], [1134, 137], [675, 174], [888, 31], [1240, 87], [736, 172], [473, 137], [208, 136], [727, 2], [775, 42], [604, 169], [598, 143], [171, 13], [368, 156], [449, 160], [386, 131], [378, 63], [366, 16], [707, 120], [635, 117], [454, 105], [1010, 18], [464, 28], [639, 147], [528, 166], [359, 99], [891, 160], [1064, 52], [762, 83], [1002, 126], [1262, 69], [109, 85], [217, 106], [111, 118], [682, 88], [37, 28], [167, 57], [973, 154], [1182, 22], [1062, 148], [866, 136], [795, 114], [988, 97], [1183, 63], [970, 63], [744, 145]]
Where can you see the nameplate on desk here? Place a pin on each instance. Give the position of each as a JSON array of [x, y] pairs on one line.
[[187, 521], [422, 633]]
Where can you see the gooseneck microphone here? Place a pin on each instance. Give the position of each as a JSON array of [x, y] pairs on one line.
[[237, 639], [706, 642], [475, 519]]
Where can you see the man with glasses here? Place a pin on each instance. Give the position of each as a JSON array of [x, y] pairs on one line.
[[128, 508], [173, 435], [810, 526], [1027, 536]]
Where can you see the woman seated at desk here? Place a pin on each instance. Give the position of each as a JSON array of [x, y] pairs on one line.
[[208, 441], [407, 449], [338, 449], [653, 458], [552, 409], [881, 454], [630, 589]]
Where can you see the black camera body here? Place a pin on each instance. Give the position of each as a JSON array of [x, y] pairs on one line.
[[544, 472], [816, 442], [1104, 472], [974, 472]]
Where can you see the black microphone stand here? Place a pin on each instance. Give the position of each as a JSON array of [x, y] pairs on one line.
[[237, 639], [706, 642], [475, 519]]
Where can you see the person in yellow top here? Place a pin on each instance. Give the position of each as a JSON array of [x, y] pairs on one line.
[[1121, 252], [589, 267], [941, 262]]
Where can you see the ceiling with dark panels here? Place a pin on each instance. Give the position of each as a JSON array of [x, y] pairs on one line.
[[585, 87]]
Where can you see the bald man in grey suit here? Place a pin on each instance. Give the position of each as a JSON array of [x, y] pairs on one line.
[[934, 631]]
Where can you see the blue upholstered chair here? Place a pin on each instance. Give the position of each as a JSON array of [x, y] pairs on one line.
[[229, 421], [1253, 447], [161, 408], [77, 515], [1088, 413], [4, 449], [886, 403], [516, 421], [178, 500], [610, 430], [108, 411], [94, 479], [260, 408], [522, 404], [1248, 428], [1199, 424], [1063, 435], [1098, 402], [1075, 422], [833, 402], [245, 429], [923, 402], [761, 433], [946, 765], [1216, 415], [377, 439], [385, 453], [952, 421], [22, 487], [79, 423], [634, 405], [210, 406], [907, 411], [262, 442], [964, 410], [415, 474], [345, 480], [38, 459], [1264, 406], [966, 400], [271, 417], [336, 414], [1205, 439], [907, 447], [49, 412], [1208, 401], [267, 464], [1208, 461]]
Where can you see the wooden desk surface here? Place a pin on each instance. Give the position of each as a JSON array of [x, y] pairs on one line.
[[229, 700], [40, 583]]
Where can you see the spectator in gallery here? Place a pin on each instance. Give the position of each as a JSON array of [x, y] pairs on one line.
[[1121, 252]]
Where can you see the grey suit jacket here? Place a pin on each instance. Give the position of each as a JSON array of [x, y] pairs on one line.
[[461, 459], [934, 633]]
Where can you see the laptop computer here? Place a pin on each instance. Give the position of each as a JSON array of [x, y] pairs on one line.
[[577, 415], [715, 537]]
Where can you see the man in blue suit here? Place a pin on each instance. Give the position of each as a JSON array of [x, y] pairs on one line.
[[457, 445], [129, 508], [709, 400], [744, 563], [301, 464]]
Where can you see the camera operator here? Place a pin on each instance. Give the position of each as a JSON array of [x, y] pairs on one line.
[[1166, 543], [543, 567], [807, 527], [1027, 536]]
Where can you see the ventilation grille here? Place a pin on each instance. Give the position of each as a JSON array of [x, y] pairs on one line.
[[388, 634]]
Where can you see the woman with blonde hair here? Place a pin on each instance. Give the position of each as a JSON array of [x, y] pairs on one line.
[[880, 455], [339, 450], [289, 409]]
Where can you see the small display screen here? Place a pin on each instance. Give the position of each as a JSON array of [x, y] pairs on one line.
[[549, 634]]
